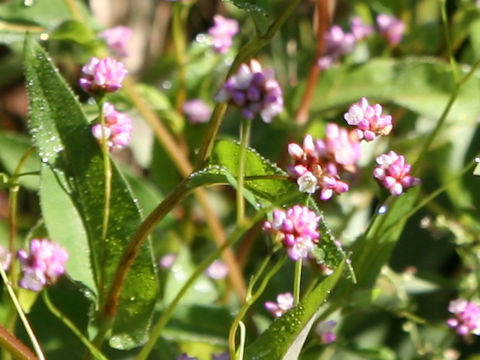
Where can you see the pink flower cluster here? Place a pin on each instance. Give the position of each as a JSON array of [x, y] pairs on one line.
[[5, 258], [222, 33], [102, 75], [117, 39], [467, 317], [318, 165], [118, 128], [391, 28], [393, 173], [43, 265], [197, 111], [368, 120], [254, 91], [297, 229], [284, 303], [325, 333], [338, 42]]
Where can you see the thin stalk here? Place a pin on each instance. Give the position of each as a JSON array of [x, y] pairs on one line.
[[23, 318], [12, 346], [248, 304], [178, 26], [432, 196], [322, 14], [443, 117], [162, 321], [68, 323], [244, 141], [75, 11], [297, 280], [107, 173], [448, 40], [241, 347]]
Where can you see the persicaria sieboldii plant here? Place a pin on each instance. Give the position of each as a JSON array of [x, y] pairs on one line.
[[191, 230]]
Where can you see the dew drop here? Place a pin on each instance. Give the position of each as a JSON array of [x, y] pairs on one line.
[[477, 159], [382, 210], [28, 3], [166, 85]]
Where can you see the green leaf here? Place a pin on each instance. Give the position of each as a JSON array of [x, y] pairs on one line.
[[373, 250], [263, 192], [476, 171], [12, 148], [75, 31], [257, 12], [70, 232], [419, 84], [285, 337], [62, 134]]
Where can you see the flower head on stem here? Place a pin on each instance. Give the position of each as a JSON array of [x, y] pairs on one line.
[[467, 317], [118, 128], [43, 265], [117, 39], [102, 75], [368, 120], [254, 90], [222, 33], [393, 173], [284, 303], [297, 229]]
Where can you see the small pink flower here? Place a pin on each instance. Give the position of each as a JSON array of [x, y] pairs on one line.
[[284, 303], [337, 43], [360, 30], [254, 90], [368, 120], [391, 28], [43, 265], [117, 39], [197, 111], [167, 260], [217, 270], [222, 32], [297, 229], [118, 128], [393, 173], [102, 75], [467, 317], [324, 331]]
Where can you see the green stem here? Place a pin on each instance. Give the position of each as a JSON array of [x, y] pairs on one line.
[[162, 321], [451, 58], [12, 346], [133, 248], [297, 281], [443, 117], [243, 311], [22, 316], [432, 196], [178, 25], [245, 53], [244, 141], [241, 346], [68, 323]]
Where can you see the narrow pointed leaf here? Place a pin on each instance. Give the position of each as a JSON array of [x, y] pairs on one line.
[[284, 338], [62, 135]]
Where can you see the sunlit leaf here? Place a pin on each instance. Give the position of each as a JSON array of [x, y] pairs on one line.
[[62, 135]]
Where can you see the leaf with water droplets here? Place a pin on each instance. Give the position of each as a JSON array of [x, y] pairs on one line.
[[286, 335], [267, 184], [65, 144]]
